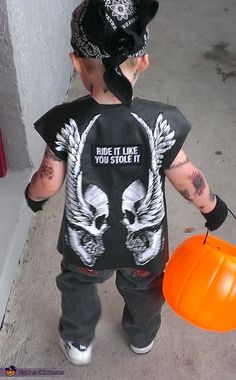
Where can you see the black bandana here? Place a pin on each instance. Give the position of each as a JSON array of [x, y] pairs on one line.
[[113, 30]]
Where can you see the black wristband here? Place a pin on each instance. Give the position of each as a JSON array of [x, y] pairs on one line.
[[35, 206], [217, 216]]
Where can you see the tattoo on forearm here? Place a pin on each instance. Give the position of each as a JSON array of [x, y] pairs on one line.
[[46, 171], [186, 195], [179, 164], [212, 196], [198, 182], [50, 155]]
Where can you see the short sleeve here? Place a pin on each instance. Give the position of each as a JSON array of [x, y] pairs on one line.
[[49, 125], [179, 129]]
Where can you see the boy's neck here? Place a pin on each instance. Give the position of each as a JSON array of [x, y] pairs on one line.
[[102, 95]]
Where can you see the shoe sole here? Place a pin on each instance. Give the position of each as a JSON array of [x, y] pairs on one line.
[[143, 350], [69, 358]]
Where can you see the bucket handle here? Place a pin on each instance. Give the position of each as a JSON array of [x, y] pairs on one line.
[[207, 233]]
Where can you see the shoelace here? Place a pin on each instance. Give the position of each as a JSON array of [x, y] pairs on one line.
[[79, 346]]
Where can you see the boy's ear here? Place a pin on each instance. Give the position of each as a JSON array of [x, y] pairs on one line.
[[75, 62], [143, 63]]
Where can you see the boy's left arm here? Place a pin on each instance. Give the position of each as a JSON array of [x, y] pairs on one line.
[[47, 181], [192, 185]]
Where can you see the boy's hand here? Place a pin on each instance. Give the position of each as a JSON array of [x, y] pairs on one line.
[[35, 206], [217, 216]]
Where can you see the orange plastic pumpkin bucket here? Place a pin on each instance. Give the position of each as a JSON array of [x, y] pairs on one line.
[[200, 283]]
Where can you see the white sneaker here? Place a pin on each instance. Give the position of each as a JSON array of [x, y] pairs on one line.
[[76, 353], [143, 350]]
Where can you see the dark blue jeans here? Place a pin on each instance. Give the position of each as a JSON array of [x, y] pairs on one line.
[[81, 307]]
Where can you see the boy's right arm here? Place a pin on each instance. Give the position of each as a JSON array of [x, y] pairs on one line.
[[192, 185]]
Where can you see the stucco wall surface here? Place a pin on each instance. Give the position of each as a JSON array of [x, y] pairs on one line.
[[35, 72], [11, 123], [40, 32]]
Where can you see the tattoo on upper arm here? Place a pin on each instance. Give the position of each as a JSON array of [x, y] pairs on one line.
[[46, 168], [179, 164], [50, 155], [198, 182]]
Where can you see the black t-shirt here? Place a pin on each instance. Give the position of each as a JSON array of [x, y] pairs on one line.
[[115, 209]]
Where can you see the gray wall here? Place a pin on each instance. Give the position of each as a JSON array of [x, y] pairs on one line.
[[35, 70], [11, 123]]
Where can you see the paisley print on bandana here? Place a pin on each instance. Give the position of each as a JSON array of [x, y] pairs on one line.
[[121, 9], [113, 30]]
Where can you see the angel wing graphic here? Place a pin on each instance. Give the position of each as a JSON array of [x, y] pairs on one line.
[[86, 213], [144, 210]]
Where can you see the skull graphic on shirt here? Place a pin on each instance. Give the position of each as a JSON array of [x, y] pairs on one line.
[[143, 210]]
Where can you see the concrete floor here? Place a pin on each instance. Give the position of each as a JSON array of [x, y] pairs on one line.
[[192, 43]]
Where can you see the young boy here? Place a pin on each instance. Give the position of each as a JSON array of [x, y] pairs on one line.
[[116, 151]]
